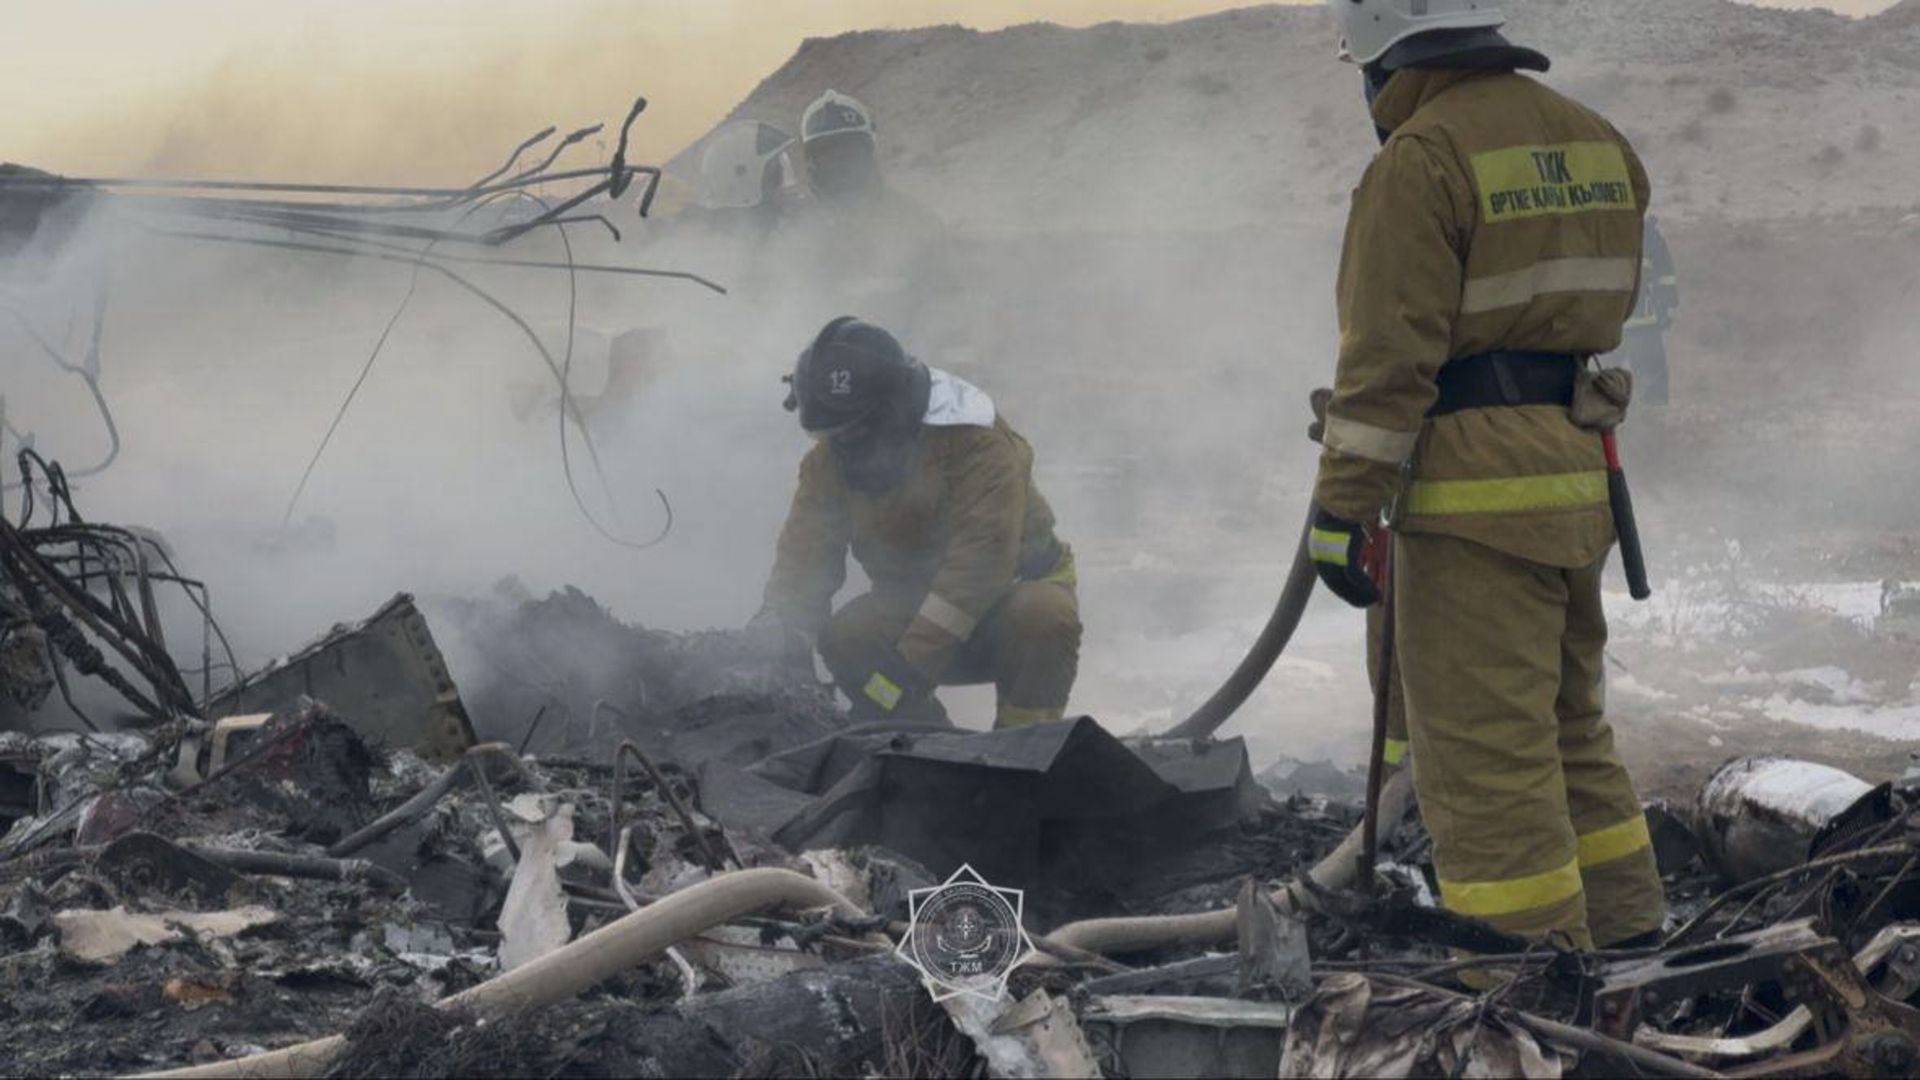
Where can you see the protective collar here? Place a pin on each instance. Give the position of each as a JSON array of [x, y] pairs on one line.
[[1480, 48], [1409, 89], [955, 402]]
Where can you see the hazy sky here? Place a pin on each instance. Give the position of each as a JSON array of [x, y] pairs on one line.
[[420, 90]]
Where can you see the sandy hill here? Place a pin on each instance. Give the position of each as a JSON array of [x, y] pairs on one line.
[[1244, 116]]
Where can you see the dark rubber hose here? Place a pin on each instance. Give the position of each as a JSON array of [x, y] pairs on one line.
[[1266, 649]]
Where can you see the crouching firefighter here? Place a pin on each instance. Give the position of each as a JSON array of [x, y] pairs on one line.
[[1493, 249], [917, 474]]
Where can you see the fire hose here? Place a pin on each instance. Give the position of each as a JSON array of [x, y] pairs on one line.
[[571, 969], [1298, 590], [1266, 649], [1334, 873]]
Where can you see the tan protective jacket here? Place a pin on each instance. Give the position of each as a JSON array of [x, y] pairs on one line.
[[957, 532], [1498, 215]]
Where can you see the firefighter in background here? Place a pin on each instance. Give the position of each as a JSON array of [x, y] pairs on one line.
[[919, 476], [1493, 248], [871, 247], [1643, 344], [746, 177]]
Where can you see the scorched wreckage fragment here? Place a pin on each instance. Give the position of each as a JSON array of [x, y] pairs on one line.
[[494, 832]]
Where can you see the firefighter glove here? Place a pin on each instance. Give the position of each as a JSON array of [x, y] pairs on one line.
[[1349, 557], [893, 683]]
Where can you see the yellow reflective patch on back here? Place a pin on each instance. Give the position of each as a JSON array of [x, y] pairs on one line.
[[1562, 178]]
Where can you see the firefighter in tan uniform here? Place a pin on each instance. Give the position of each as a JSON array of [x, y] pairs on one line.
[[1492, 249], [917, 474]]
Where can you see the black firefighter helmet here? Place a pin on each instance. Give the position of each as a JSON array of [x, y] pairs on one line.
[[855, 375], [856, 388]]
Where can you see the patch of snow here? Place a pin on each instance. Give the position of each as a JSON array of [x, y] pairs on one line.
[[1896, 722], [1831, 685], [1623, 683]]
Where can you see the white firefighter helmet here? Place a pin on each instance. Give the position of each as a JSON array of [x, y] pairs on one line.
[[735, 167], [834, 113], [1368, 28]]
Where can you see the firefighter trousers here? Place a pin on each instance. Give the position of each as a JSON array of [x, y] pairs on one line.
[[1535, 824], [1028, 646]]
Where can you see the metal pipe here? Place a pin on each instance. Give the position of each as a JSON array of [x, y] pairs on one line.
[[300, 866], [628, 748], [291, 188], [416, 807], [567, 971]]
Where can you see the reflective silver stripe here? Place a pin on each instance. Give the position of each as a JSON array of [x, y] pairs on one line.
[[936, 610], [1366, 441], [1328, 547], [1549, 276]]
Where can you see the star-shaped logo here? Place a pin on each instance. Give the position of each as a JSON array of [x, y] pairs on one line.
[[965, 936]]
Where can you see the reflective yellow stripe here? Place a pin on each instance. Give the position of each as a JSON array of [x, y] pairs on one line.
[[1327, 546], [883, 692], [1553, 491], [1483, 898], [1548, 276], [1010, 716], [1395, 752], [1065, 573], [1369, 442], [946, 615], [1615, 841]]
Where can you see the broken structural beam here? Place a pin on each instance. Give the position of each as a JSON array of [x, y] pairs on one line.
[[385, 676]]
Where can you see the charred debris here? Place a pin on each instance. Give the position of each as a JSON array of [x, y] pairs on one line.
[[609, 851], [624, 852]]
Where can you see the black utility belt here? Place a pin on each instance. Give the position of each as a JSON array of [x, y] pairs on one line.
[[1492, 379]]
